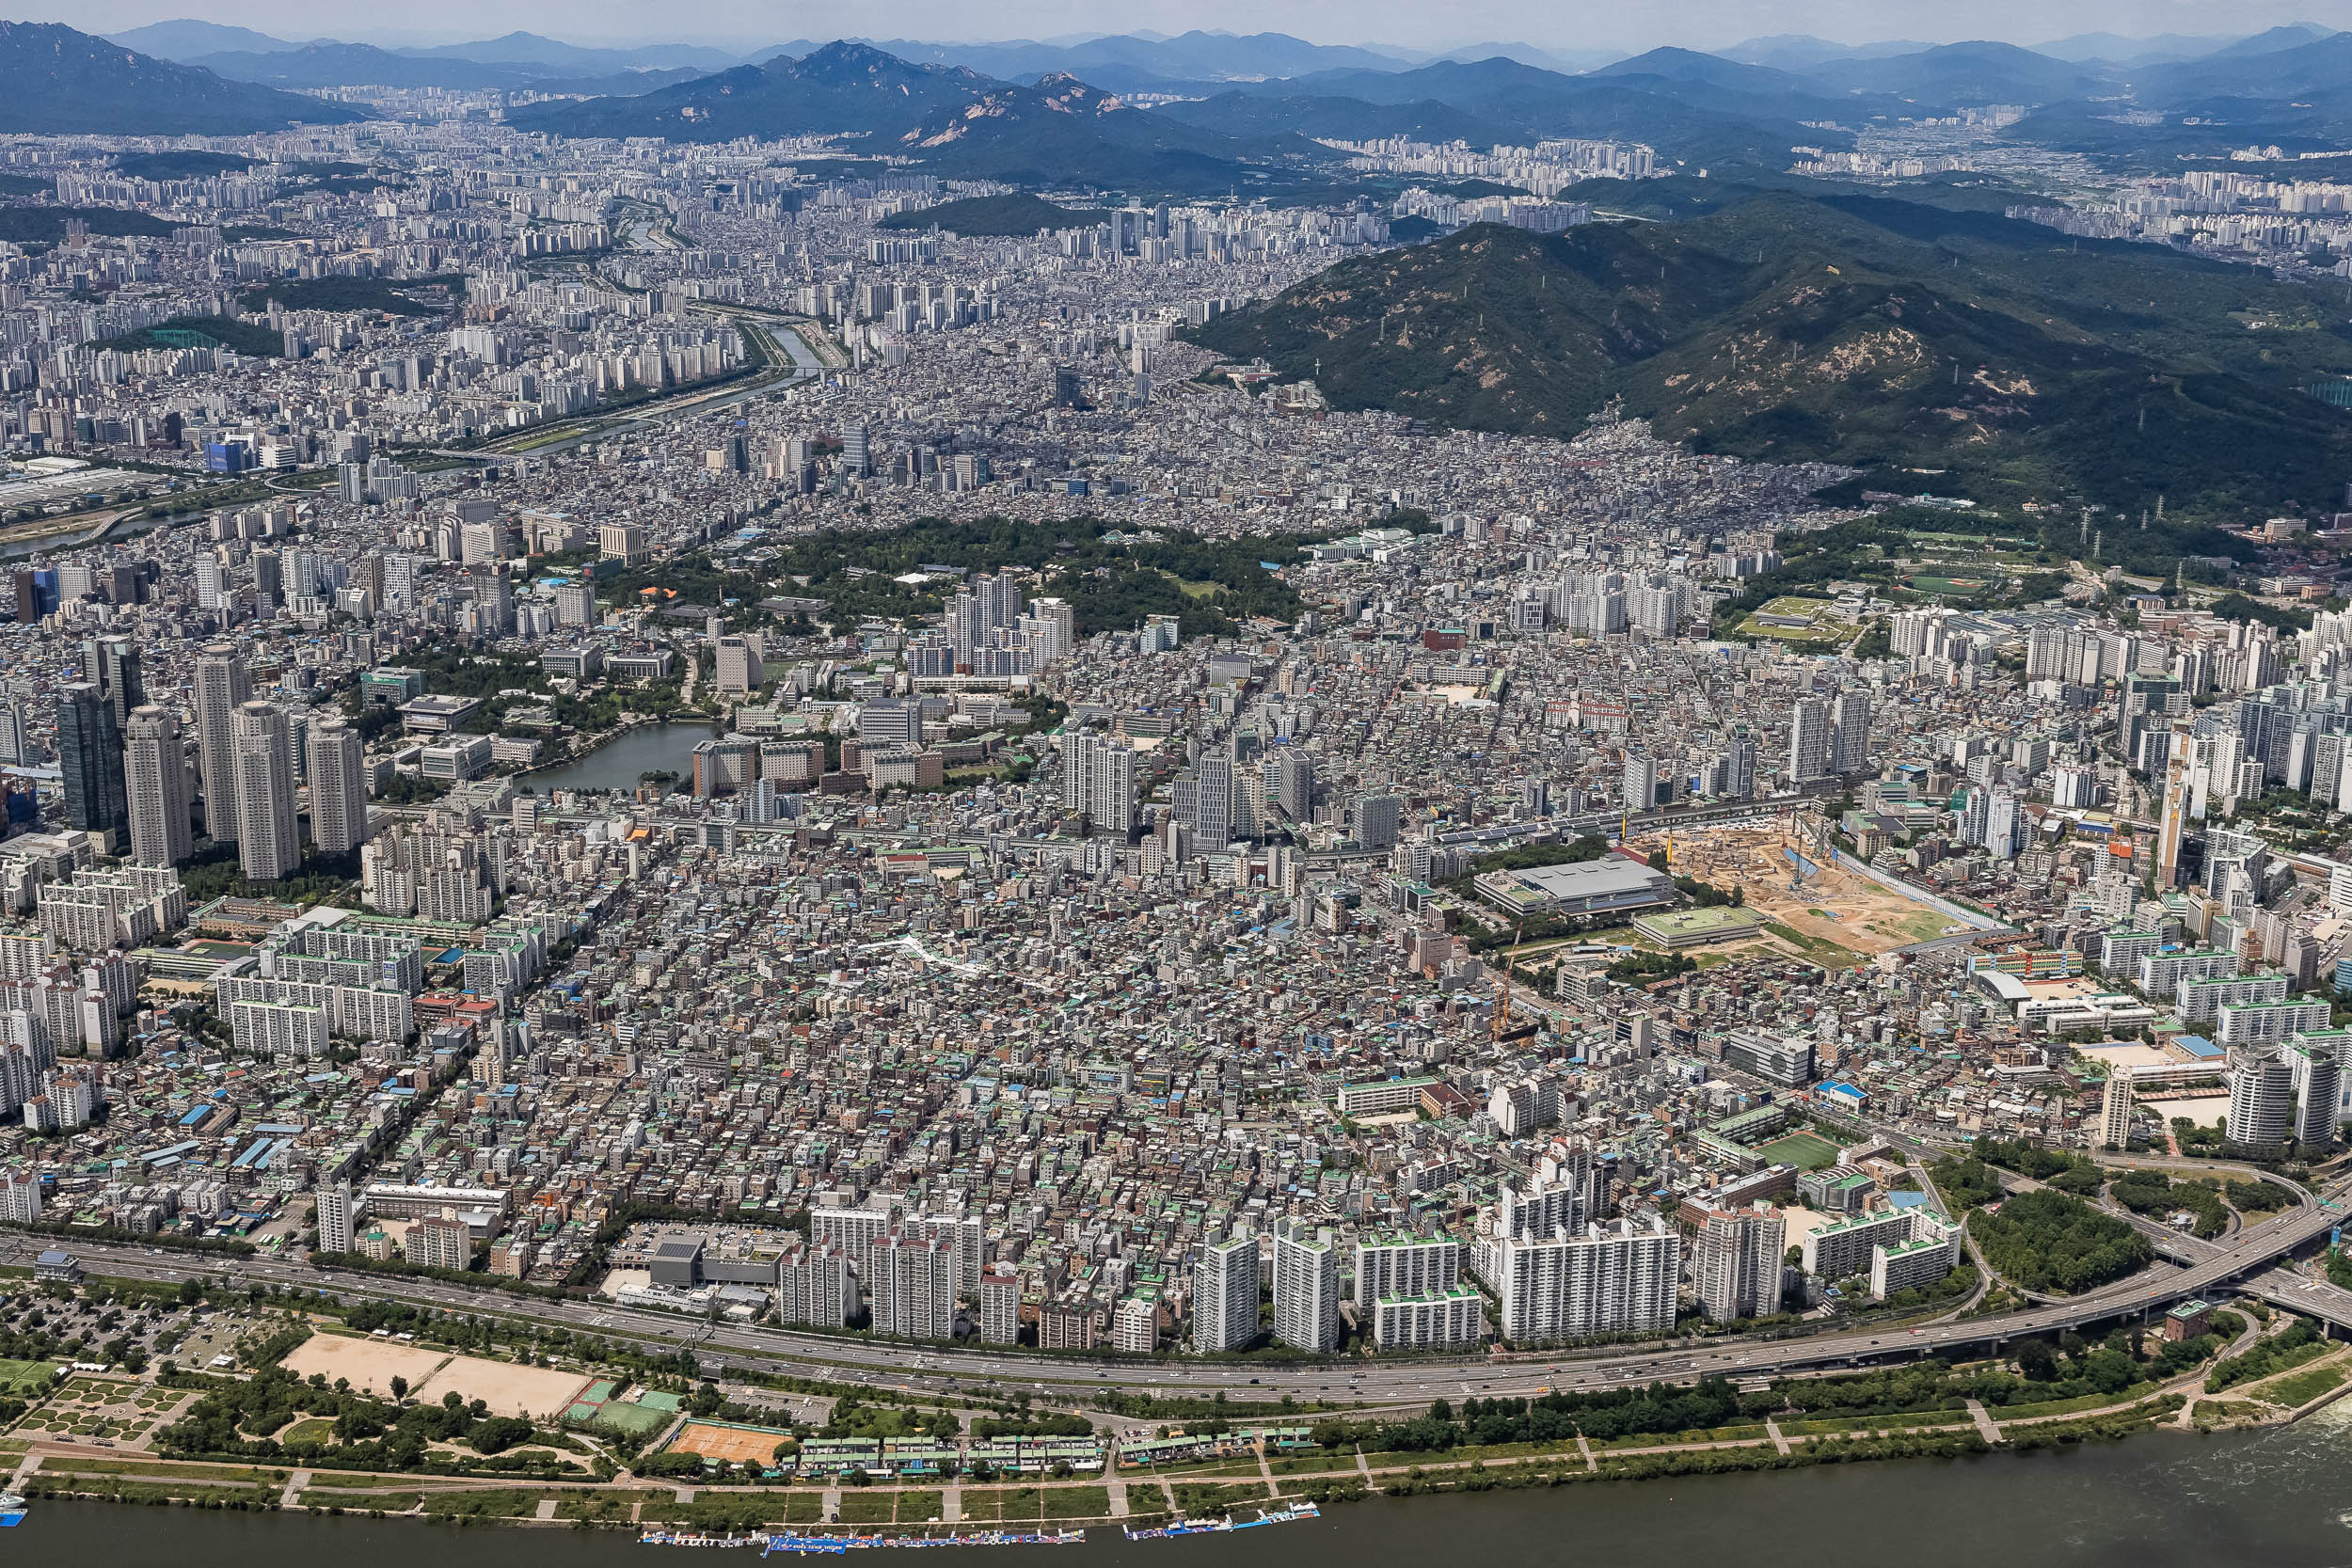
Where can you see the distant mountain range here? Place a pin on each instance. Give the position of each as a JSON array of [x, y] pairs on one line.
[[1250, 105], [1849, 328], [55, 80], [956, 120]]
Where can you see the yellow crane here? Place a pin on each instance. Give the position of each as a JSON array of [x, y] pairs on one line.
[[1504, 1012]]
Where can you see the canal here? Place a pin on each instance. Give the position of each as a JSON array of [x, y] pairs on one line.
[[648, 747], [2279, 1497]]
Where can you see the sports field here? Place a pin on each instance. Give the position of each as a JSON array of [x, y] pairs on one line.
[[26, 1376], [1804, 1150], [725, 1440], [371, 1364]]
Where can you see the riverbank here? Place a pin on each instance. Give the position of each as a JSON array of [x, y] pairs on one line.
[[2273, 1497], [1131, 1498], [2155, 1503]]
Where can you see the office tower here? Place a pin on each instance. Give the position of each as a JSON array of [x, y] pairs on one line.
[[1379, 821], [2262, 1085], [1201, 799], [337, 1218], [1809, 728], [89, 753], [1225, 1295], [2172, 826], [269, 835], [741, 669], [1850, 734], [1739, 767], [1289, 781], [1618, 1279], [339, 786], [155, 785], [2115, 1110], [221, 688], [1306, 1287], [1736, 1267], [114, 667], [856, 457]]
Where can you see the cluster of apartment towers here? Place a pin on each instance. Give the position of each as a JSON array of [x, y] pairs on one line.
[[126, 773]]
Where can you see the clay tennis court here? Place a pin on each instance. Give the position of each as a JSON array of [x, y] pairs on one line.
[[717, 1440]]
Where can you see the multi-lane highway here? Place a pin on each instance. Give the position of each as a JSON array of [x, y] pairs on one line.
[[1379, 1382]]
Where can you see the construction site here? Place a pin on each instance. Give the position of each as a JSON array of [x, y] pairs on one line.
[[1787, 873]]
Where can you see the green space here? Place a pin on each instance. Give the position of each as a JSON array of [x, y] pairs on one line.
[[179, 164], [1954, 587], [41, 226], [1111, 579], [254, 343], [1804, 1150], [1016, 215], [2282, 1352], [345, 294], [1817, 624], [1787, 326], [2067, 1173], [2051, 1242], [2293, 1392], [27, 1377], [1077, 1502], [1821, 951]]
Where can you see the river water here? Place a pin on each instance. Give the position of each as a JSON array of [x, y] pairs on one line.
[[2279, 1499], [645, 748]]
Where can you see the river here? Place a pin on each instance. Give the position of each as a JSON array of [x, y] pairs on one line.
[[645, 748], [2278, 1498]]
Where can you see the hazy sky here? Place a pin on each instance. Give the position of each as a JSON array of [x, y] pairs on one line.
[[1628, 24]]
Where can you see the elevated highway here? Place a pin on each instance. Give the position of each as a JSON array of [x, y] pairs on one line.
[[2249, 1256]]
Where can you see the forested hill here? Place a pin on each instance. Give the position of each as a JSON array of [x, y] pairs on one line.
[[1992, 357]]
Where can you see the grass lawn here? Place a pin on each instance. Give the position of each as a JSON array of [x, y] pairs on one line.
[[919, 1508], [1874, 1423], [2057, 1407], [27, 1377], [868, 1508], [1077, 1502], [2302, 1388]]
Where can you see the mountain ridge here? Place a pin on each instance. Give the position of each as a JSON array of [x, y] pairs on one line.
[[54, 79], [1854, 329]]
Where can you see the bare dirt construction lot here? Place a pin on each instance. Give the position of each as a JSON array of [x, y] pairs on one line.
[[506, 1389], [1833, 906], [716, 1440]]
